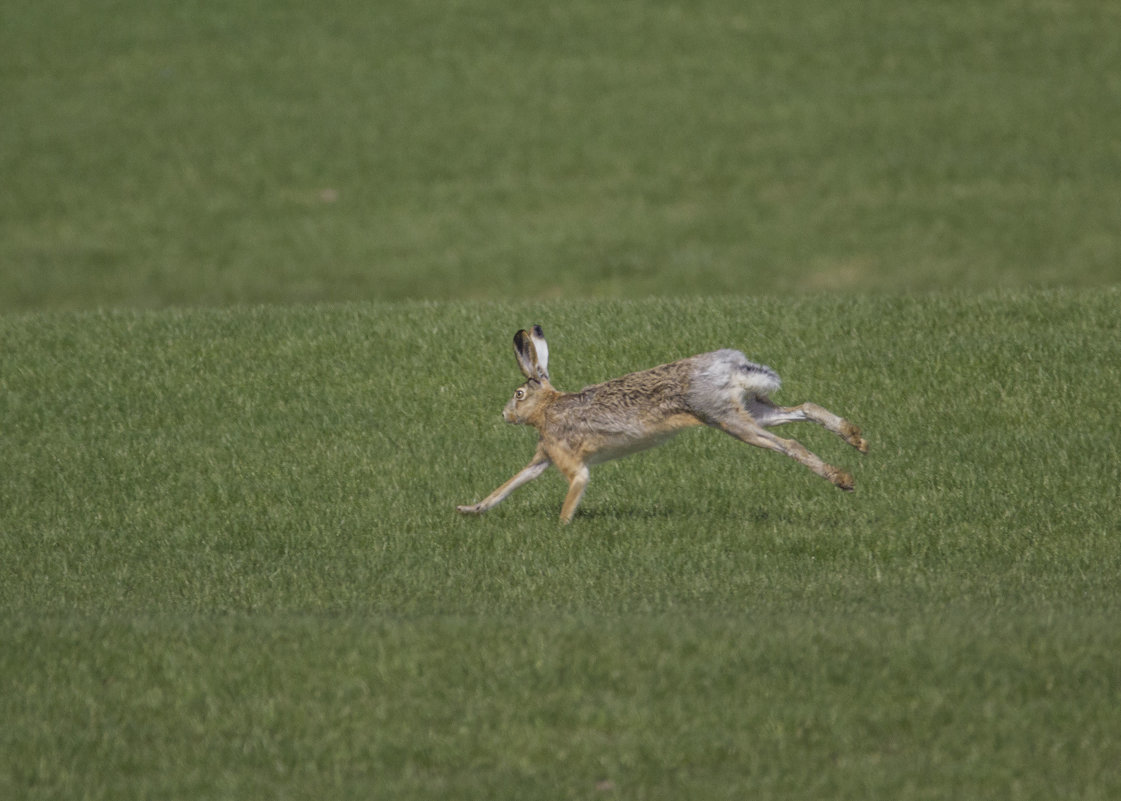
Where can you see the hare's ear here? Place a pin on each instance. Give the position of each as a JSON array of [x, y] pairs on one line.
[[542, 348], [526, 354]]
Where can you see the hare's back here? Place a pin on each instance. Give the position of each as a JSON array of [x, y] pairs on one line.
[[659, 387]]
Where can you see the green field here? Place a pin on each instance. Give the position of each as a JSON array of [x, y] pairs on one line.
[[259, 273], [202, 153], [231, 566]]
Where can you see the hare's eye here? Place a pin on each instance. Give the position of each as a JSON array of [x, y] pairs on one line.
[[520, 394]]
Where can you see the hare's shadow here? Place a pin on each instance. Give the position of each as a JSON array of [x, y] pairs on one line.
[[623, 512]]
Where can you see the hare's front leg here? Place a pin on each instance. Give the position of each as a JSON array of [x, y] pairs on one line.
[[575, 469], [531, 471], [577, 483]]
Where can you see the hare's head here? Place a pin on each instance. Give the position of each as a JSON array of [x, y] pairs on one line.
[[532, 353]]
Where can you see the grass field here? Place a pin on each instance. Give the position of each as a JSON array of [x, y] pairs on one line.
[[260, 266], [202, 153], [231, 566]]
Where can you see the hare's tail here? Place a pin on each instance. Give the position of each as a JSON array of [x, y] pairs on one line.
[[730, 371], [758, 380]]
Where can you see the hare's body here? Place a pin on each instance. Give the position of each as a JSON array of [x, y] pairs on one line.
[[641, 410], [644, 409]]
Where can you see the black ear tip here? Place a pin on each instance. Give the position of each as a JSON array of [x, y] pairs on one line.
[[523, 344], [537, 332]]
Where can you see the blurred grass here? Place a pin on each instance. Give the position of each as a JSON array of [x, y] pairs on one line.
[[203, 153], [230, 565]]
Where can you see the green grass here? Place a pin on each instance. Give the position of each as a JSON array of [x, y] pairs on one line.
[[230, 565], [229, 562], [159, 154]]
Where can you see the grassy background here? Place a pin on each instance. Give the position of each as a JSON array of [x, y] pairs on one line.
[[210, 153], [231, 566]]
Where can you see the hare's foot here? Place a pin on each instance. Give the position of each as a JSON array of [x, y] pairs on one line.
[[853, 436], [841, 479]]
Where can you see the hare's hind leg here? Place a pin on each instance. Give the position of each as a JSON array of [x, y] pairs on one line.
[[767, 414], [531, 471], [743, 427]]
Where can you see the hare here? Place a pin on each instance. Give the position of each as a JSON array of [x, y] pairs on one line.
[[640, 410]]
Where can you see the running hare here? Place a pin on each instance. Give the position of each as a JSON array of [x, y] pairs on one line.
[[619, 417]]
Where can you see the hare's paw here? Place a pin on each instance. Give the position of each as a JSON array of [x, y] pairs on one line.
[[473, 509], [855, 437]]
